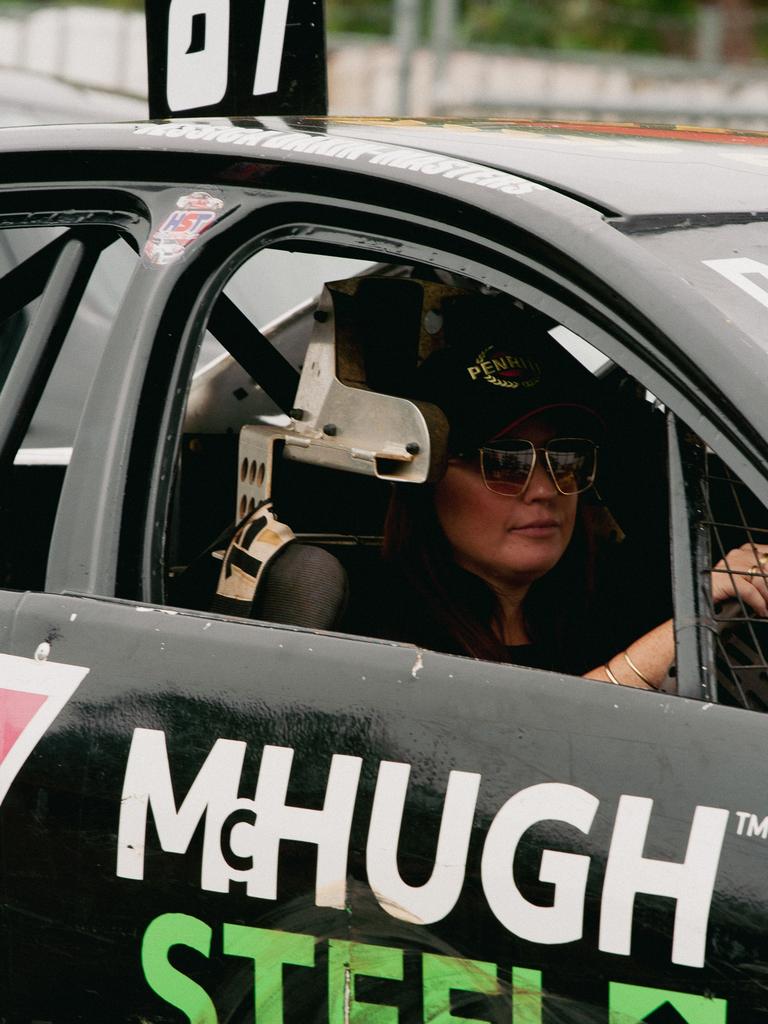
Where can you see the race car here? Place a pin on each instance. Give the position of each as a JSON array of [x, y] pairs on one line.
[[242, 804]]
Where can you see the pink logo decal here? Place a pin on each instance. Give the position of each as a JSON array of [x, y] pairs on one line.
[[17, 709], [32, 693]]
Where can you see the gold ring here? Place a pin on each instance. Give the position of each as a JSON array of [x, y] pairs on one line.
[[757, 570]]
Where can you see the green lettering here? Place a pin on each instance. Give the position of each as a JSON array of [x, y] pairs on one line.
[[526, 996], [442, 974], [269, 951], [345, 961], [631, 1004], [171, 985]]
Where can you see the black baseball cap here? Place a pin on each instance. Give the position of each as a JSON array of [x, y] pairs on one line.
[[499, 367]]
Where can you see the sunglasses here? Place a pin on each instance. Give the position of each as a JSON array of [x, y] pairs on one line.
[[507, 466]]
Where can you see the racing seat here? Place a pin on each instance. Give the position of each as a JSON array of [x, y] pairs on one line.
[[267, 575], [338, 422], [305, 586]]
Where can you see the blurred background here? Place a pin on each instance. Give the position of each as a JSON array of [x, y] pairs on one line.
[[680, 61]]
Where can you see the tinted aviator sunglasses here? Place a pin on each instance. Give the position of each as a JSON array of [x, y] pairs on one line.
[[507, 466]]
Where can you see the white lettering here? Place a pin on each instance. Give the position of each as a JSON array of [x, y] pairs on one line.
[[743, 817], [690, 884], [213, 795], [430, 902], [345, 149], [564, 920], [736, 270], [757, 827], [327, 829], [241, 841], [148, 785]]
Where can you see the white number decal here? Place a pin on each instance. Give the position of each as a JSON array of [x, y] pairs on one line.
[[736, 270], [271, 47], [198, 78]]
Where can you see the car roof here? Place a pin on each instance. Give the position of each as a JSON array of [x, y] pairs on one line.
[[620, 169]]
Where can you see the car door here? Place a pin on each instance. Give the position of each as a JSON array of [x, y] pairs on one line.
[[218, 818]]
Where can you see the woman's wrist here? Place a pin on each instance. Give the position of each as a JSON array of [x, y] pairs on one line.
[[640, 675], [619, 671], [644, 664]]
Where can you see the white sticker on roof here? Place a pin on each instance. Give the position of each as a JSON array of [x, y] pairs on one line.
[[374, 153]]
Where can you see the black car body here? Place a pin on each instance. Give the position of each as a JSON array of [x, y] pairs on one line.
[[210, 817]]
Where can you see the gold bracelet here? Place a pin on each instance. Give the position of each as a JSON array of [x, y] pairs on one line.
[[610, 674], [638, 673]]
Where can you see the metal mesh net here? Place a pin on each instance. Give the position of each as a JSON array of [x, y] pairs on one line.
[[734, 518]]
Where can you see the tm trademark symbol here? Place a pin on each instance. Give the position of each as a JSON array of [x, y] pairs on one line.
[[751, 825]]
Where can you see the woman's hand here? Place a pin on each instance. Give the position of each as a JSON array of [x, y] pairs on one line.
[[743, 573]]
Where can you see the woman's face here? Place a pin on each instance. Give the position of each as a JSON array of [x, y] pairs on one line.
[[503, 539]]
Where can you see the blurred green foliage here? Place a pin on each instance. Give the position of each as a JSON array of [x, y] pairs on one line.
[[623, 26], [20, 6], [619, 26], [368, 16]]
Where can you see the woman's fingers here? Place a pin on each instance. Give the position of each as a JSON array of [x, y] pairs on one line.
[[756, 554], [743, 572], [750, 595]]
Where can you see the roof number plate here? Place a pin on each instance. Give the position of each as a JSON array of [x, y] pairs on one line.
[[215, 57]]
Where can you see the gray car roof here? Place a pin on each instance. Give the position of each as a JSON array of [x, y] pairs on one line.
[[628, 169], [632, 170]]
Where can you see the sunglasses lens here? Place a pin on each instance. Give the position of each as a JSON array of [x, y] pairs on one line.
[[572, 461], [507, 466]]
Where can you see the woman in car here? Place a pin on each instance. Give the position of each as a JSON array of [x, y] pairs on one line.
[[501, 558]]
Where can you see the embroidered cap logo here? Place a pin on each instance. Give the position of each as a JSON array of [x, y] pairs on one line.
[[501, 369]]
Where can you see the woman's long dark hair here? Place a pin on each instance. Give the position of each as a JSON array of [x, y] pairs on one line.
[[441, 606]]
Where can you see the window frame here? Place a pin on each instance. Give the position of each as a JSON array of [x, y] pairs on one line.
[[363, 231]]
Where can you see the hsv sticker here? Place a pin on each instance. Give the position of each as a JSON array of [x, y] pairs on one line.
[[32, 693], [193, 214]]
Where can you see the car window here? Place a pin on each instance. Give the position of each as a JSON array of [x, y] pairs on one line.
[[60, 292], [722, 524], [219, 474]]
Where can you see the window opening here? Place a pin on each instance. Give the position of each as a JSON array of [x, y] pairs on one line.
[[734, 517], [726, 530], [58, 294], [344, 512]]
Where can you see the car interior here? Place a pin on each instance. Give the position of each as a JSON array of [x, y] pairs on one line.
[[361, 340]]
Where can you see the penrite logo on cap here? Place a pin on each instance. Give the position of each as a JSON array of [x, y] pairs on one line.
[[32, 693], [503, 370]]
